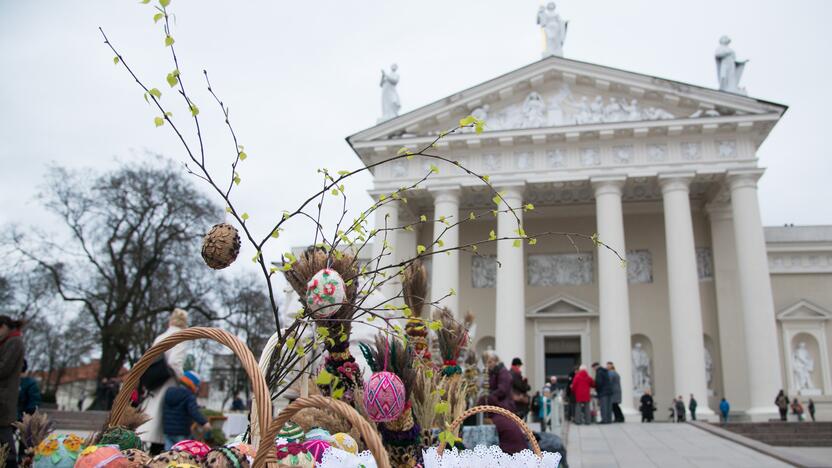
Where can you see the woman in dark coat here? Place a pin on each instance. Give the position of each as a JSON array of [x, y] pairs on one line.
[[512, 438], [647, 407], [11, 364]]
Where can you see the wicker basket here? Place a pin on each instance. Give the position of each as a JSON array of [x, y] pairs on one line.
[[367, 430], [503, 412], [265, 452]]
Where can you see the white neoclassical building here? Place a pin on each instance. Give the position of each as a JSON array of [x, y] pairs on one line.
[[710, 302]]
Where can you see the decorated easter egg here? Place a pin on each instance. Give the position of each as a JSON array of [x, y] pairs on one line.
[[194, 447], [102, 456], [291, 432], [384, 396], [325, 293], [317, 448], [245, 449], [319, 433], [172, 457], [136, 458], [226, 457], [293, 454], [345, 442], [124, 438], [58, 451], [221, 246]]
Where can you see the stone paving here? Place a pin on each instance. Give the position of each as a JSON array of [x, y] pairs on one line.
[[657, 445]]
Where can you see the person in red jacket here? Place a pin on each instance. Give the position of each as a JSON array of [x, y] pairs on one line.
[[581, 385]]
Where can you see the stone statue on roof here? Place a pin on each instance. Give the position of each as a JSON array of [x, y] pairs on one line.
[[728, 68], [554, 27]]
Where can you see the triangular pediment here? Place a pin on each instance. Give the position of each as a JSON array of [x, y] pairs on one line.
[[561, 306], [804, 310], [558, 92]]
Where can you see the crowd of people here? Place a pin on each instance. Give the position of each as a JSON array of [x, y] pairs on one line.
[[594, 395]]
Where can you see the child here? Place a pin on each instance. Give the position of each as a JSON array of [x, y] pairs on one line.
[[724, 408], [180, 410]]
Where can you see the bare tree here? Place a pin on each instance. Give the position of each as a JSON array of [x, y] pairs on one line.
[[54, 346], [248, 314], [132, 253]]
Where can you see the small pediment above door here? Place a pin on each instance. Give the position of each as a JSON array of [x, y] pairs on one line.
[[804, 310], [561, 306]]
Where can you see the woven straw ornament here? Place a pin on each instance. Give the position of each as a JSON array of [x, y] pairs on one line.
[[221, 246]]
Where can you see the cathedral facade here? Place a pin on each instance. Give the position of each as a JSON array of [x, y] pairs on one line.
[[693, 296]]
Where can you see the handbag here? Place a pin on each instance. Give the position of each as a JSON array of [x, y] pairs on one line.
[[157, 374]]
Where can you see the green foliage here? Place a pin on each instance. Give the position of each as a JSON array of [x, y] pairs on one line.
[[173, 78], [156, 93], [168, 41], [115, 60], [159, 121], [157, 17]]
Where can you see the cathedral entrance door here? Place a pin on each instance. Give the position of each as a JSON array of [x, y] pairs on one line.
[[562, 355]]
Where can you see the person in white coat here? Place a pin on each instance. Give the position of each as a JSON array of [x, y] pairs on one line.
[[151, 432]]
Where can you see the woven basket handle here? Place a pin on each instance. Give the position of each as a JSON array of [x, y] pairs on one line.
[[501, 411], [368, 431], [261, 390]]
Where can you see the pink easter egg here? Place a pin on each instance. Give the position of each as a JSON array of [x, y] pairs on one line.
[[194, 447], [384, 397]]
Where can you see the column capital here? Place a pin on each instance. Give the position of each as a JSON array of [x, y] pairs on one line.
[[740, 178], [675, 181], [445, 193], [511, 189], [608, 184]]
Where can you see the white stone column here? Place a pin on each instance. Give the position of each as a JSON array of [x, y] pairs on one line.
[[510, 324], [613, 293], [446, 265], [728, 306], [387, 215], [764, 375], [683, 291]]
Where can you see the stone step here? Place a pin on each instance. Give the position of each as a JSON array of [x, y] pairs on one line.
[[78, 420]]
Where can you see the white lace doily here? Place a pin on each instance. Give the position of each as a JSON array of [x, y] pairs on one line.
[[491, 456], [337, 458]]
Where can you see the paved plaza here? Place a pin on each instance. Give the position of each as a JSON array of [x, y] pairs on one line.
[[657, 445]]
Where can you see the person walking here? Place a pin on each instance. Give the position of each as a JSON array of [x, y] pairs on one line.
[[692, 404], [811, 407], [603, 388], [512, 439], [615, 382], [152, 432], [581, 385], [797, 409], [647, 407], [680, 409], [724, 408], [12, 351], [782, 402], [519, 389]]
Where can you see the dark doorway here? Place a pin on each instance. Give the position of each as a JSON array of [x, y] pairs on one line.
[[563, 354]]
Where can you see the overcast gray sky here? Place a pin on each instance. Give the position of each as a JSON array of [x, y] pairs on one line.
[[300, 76]]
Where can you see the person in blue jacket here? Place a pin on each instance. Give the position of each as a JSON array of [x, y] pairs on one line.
[[724, 408], [179, 410]]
